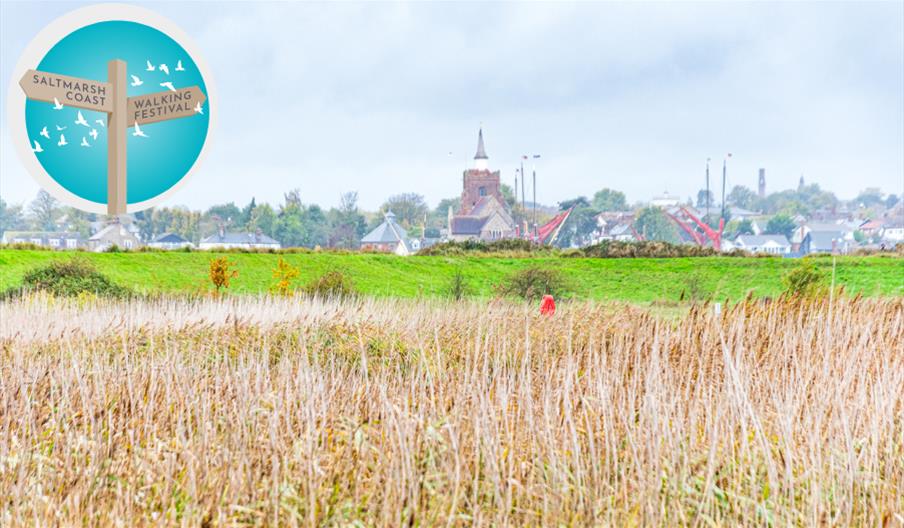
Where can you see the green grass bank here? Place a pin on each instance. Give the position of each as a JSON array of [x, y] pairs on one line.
[[630, 279]]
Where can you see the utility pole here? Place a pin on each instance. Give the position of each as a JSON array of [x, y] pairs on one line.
[[516, 185], [724, 171], [535, 193], [523, 201], [535, 199], [707, 188]]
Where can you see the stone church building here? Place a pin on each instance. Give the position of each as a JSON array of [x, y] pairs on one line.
[[483, 214]]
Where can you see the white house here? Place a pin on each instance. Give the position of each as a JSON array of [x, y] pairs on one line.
[[55, 240], [169, 241], [665, 200], [772, 244], [224, 240], [388, 237], [893, 232]]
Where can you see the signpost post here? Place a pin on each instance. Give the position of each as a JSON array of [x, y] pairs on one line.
[[123, 112]]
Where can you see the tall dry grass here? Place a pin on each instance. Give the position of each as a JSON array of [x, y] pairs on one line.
[[290, 412]]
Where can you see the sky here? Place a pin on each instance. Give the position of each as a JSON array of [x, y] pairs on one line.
[[385, 98]]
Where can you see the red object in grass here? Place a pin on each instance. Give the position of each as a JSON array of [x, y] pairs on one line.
[[548, 305]]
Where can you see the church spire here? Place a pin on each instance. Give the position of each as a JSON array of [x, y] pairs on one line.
[[481, 151]]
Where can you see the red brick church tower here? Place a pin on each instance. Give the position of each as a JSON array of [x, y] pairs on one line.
[[479, 181]]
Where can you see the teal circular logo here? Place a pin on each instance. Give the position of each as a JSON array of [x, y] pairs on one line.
[[115, 113]]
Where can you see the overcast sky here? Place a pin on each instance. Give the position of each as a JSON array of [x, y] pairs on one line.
[[373, 97]]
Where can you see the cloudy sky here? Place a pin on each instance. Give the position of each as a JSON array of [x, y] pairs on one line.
[[374, 97]]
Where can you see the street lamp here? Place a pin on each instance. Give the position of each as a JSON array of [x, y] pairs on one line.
[[535, 157]]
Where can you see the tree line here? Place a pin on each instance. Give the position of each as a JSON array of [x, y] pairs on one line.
[[294, 223]]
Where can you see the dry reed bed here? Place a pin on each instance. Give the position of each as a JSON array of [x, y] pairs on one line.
[[288, 412]]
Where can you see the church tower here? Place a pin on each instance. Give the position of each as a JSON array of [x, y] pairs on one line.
[[479, 181]]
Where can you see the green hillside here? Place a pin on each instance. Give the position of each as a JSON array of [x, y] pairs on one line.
[[635, 280]]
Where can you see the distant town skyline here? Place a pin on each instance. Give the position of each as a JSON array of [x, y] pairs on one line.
[[388, 98]]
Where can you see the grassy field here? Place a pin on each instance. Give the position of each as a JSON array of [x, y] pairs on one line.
[[634, 280], [258, 411]]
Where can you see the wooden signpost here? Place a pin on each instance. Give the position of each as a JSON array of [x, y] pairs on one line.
[[122, 112]]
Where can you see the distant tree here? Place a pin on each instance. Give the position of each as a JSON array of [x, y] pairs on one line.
[[316, 230], [145, 222], [44, 211], [653, 224], [262, 217], [780, 224], [227, 214], [289, 228], [293, 197], [609, 200], [181, 221], [869, 197], [439, 216], [347, 224], [578, 230], [245, 217], [579, 202], [891, 201], [742, 197], [409, 208], [745, 227], [508, 195], [11, 217]]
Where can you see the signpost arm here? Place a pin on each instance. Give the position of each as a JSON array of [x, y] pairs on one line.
[[117, 130]]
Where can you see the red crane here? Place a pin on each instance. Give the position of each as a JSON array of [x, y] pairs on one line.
[[547, 233], [714, 237]]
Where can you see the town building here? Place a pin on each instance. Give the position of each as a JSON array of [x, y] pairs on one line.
[[483, 214], [772, 244], [823, 237], [389, 237], [115, 234], [665, 200], [170, 241], [50, 239], [824, 242], [614, 225], [244, 240]]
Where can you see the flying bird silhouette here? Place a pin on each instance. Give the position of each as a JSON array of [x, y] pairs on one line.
[[37, 147], [57, 105], [100, 122], [62, 141], [58, 127], [138, 132], [136, 81], [85, 142], [150, 67], [164, 68], [198, 108], [168, 85], [81, 120], [45, 133], [93, 134], [179, 66]]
